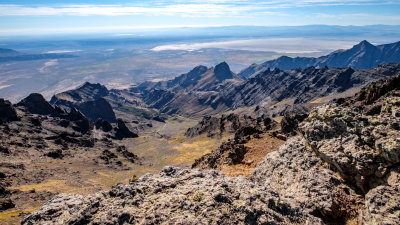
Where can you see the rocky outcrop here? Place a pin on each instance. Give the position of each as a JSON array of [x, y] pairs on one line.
[[36, 104], [228, 124], [290, 122], [294, 171], [122, 131], [232, 151], [361, 144], [7, 111], [85, 92], [228, 153], [361, 148], [175, 196], [5, 200], [382, 205], [88, 99], [103, 125], [223, 72], [98, 109]]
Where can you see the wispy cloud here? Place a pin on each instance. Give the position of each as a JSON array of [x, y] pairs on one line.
[[207, 10], [193, 8]]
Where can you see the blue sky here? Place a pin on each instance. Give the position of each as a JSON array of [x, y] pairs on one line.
[[66, 16]]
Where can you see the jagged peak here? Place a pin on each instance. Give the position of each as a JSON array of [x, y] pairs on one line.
[[88, 84], [198, 70], [37, 104], [284, 57], [199, 67], [364, 44], [222, 71], [33, 97]]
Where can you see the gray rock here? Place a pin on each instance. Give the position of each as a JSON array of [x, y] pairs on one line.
[[7, 111], [36, 104], [361, 148], [382, 206], [175, 196], [296, 172]]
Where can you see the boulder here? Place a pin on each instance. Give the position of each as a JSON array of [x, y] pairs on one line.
[[122, 131], [103, 125], [361, 148], [295, 172], [382, 205], [7, 111]]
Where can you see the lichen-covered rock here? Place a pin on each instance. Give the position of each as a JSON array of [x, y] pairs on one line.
[[382, 206], [295, 172], [362, 148], [359, 137], [175, 196], [290, 123]]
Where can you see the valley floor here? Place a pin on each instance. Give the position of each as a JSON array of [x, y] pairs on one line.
[[42, 177]]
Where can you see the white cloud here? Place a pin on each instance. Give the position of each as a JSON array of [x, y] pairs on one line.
[[193, 8], [210, 10]]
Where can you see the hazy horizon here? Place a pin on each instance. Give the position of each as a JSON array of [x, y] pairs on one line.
[[25, 17]]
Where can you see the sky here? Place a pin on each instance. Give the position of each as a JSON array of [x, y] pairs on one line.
[[23, 17]]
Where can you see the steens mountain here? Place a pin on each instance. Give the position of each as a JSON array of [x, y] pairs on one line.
[[361, 56]]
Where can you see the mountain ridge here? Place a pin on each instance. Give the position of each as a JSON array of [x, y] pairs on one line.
[[363, 55]]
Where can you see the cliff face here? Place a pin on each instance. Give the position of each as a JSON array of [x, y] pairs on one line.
[[88, 99]]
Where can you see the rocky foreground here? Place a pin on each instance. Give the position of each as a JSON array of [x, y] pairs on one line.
[[342, 168]]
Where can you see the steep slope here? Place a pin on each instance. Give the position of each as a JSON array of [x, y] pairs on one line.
[[361, 56], [83, 93], [89, 99]]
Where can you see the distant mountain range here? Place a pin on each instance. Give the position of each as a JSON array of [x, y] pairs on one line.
[[361, 56], [7, 55]]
